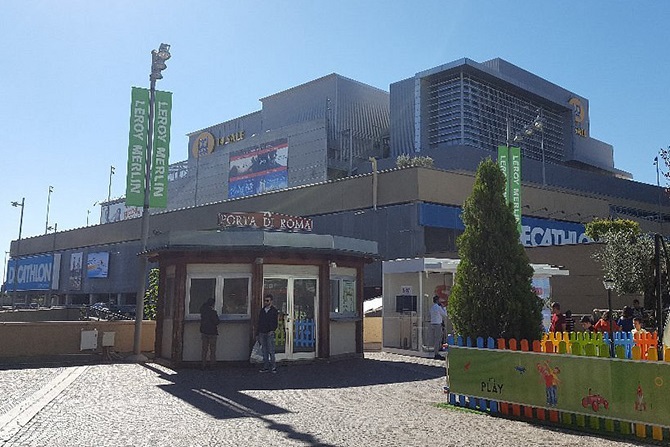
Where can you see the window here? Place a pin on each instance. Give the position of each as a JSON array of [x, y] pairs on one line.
[[343, 297], [230, 292], [235, 296], [201, 290]]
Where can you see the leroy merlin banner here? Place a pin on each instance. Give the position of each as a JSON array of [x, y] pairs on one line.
[[161, 150], [509, 160], [139, 135], [139, 131], [593, 386], [503, 162]]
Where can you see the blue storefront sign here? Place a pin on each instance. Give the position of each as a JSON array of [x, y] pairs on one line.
[[534, 232], [34, 273]]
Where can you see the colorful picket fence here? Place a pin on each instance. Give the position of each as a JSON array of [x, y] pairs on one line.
[[638, 347]]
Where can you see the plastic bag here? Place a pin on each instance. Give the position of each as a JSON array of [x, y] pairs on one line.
[[256, 353]]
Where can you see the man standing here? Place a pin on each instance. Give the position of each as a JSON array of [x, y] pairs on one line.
[[437, 316], [557, 318], [209, 322], [265, 331]]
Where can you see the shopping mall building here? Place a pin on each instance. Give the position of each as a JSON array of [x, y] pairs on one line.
[[326, 150]]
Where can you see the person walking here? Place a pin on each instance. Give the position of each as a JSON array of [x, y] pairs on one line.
[[209, 332], [437, 317], [268, 319]]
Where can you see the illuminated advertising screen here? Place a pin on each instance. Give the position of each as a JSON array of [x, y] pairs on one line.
[[258, 169]]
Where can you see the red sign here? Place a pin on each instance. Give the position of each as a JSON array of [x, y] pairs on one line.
[[264, 221]]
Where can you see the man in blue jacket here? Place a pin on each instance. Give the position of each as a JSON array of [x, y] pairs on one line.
[[265, 331]]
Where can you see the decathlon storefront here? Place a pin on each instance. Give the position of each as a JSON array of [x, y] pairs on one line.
[[316, 281]]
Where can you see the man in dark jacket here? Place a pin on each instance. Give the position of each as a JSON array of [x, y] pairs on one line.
[[265, 331], [209, 322]]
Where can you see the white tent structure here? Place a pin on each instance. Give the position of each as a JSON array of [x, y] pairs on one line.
[[408, 289]]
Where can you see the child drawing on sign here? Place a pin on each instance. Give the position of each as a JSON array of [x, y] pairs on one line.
[[551, 381], [640, 405]]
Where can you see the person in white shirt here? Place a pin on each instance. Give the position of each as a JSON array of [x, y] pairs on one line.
[[437, 316]]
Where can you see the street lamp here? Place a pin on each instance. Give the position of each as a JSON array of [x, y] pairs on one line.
[[158, 58], [609, 285], [529, 129], [18, 251], [109, 190], [46, 226]]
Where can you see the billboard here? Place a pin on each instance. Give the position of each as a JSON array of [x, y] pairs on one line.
[[160, 153], [137, 147], [137, 144], [97, 265], [258, 169], [34, 273], [76, 260], [509, 160], [593, 386], [115, 212]]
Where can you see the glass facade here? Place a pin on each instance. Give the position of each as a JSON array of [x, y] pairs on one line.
[[468, 111]]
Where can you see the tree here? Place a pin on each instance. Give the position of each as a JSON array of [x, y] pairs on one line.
[[151, 295], [492, 294], [626, 256], [405, 161]]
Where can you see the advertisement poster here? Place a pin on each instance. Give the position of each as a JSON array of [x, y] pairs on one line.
[[593, 386], [258, 169], [97, 264], [75, 270], [137, 143], [34, 273]]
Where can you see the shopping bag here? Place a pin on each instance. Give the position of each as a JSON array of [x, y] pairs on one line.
[[256, 353]]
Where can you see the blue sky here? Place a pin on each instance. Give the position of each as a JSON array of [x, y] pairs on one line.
[[68, 67]]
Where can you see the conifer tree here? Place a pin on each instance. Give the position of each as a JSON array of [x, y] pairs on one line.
[[492, 294]]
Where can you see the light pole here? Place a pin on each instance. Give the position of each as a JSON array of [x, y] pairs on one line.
[[46, 226], [18, 251], [658, 187], [158, 58], [4, 278], [529, 129], [109, 190], [53, 263], [609, 285]]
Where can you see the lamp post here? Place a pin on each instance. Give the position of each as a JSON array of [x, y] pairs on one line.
[[529, 129], [109, 190], [53, 263], [18, 251], [609, 285], [158, 58], [658, 188], [46, 226]]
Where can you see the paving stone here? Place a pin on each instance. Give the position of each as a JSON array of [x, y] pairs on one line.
[[382, 400]]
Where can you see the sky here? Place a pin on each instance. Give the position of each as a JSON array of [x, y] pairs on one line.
[[68, 67]]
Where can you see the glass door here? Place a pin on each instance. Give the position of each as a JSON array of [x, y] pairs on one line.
[[295, 299]]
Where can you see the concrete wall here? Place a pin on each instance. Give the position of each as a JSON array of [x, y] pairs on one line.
[[59, 314], [372, 333], [49, 338], [342, 337], [232, 344]]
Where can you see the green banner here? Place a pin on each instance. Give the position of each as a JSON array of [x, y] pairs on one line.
[[514, 181], [503, 162], [139, 132], [161, 150], [635, 391]]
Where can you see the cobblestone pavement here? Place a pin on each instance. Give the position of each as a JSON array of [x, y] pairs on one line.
[[381, 400]]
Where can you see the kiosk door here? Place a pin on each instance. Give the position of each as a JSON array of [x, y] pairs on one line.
[[296, 299]]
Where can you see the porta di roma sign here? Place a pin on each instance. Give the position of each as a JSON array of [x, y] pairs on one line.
[[264, 221]]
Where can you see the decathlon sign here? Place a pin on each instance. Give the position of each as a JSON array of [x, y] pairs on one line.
[[542, 233], [34, 273]]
